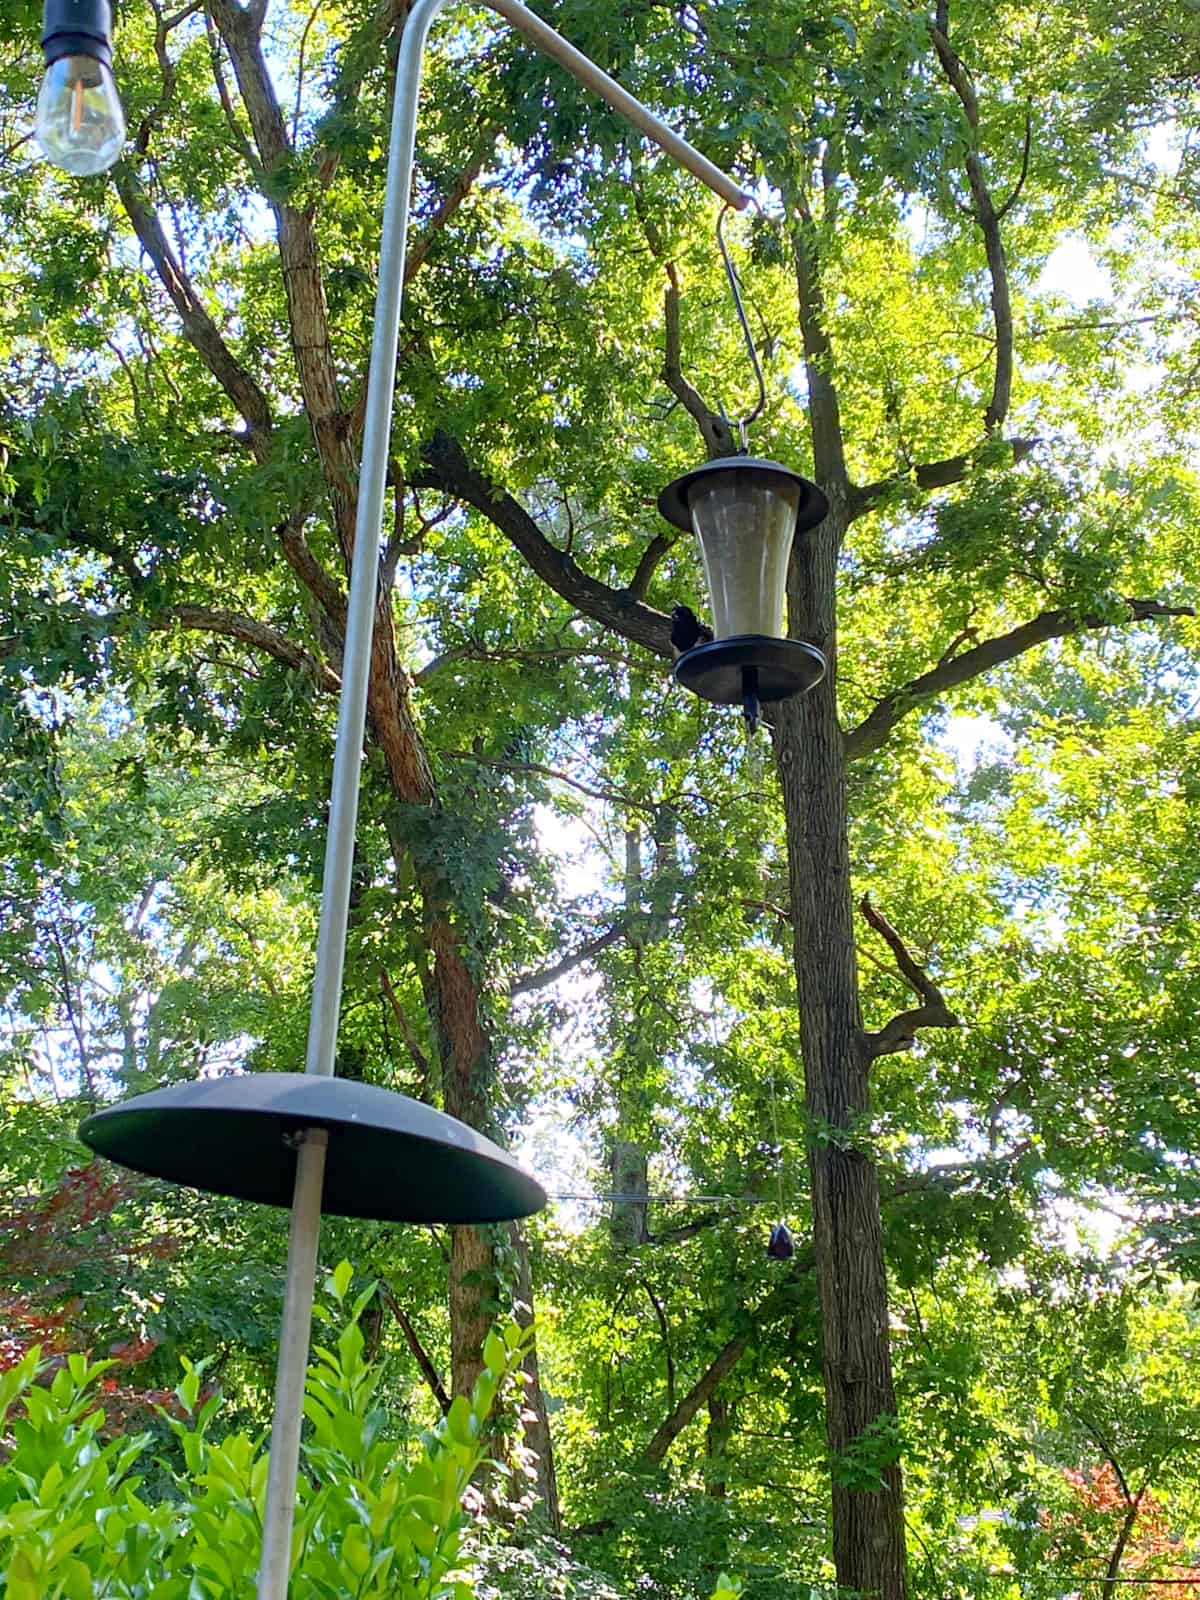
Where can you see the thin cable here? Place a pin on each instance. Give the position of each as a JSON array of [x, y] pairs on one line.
[[736, 290], [664, 1199], [778, 1146]]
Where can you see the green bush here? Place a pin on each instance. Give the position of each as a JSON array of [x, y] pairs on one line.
[[369, 1523]]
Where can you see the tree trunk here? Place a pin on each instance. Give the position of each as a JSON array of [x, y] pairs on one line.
[[716, 1442], [868, 1522], [535, 1419], [1112, 1574], [465, 1055]]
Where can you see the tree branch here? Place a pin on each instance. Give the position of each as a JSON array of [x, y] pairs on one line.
[[651, 556], [586, 952], [615, 797], [242, 143], [664, 1328], [900, 1032], [714, 430], [450, 202], [320, 583], [824, 407], [260, 635], [730, 1353], [409, 1034], [1058, 624], [533, 658], [988, 219], [928, 475], [779, 1302], [618, 609], [199, 327], [1002, 211], [299, 255], [428, 1370]]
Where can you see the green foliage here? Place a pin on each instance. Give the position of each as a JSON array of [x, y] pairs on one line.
[[368, 1521], [1029, 826]]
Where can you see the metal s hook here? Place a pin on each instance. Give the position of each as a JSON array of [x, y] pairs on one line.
[[735, 289]]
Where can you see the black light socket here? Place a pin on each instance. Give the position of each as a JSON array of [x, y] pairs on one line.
[[77, 28]]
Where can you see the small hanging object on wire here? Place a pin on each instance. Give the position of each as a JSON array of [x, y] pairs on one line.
[[745, 512], [781, 1246]]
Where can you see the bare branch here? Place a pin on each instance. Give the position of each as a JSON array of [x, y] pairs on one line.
[[988, 219], [928, 475], [824, 407], [614, 797], [714, 430], [481, 153], [651, 556], [428, 1371], [321, 584], [1002, 211], [1058, 624], [533, 658], [200, 328], [900, 1032], [688, 1230], [260, 635], [586, 952], [449, 470], [300, 65], [408, 1033], [775, 1304], [243, 144], [300, 258], [664, 1328]]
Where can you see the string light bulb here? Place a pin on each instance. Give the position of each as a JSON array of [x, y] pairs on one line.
[[79, 125]]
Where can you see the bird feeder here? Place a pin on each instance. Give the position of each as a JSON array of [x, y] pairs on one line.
[[745, 512]]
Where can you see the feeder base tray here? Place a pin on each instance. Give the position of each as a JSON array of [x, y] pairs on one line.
[[785, 667]]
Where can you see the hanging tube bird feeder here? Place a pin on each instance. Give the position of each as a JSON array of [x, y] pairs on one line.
[[745, 513]]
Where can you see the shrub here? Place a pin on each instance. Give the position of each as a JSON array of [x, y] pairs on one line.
[[369, 1523]]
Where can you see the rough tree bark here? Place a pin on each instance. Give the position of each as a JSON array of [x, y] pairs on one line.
[[868, 1523]]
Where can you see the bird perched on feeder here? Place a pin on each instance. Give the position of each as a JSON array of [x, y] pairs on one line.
[[687, 630]]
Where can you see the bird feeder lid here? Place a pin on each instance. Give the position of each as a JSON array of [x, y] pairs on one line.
[[389, 1157], [674, 501]]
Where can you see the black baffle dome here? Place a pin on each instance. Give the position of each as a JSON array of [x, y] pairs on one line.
[[389, 1157]]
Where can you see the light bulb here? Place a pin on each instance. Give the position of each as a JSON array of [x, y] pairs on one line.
[[80, 125]]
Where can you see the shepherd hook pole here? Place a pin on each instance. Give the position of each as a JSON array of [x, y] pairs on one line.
[[343, 808]]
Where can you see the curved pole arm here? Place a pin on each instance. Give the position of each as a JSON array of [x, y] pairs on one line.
[[343, 809]]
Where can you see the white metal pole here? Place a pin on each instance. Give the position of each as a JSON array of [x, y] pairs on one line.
[[352, 707], [292, 1366]]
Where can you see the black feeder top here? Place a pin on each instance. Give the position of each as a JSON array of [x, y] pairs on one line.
[[389, 1157], [673, 501]]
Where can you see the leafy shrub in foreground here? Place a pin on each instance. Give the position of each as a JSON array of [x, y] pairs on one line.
[[369, 1524]]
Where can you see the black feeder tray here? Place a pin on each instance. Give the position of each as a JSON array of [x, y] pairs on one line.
[[389, 1157], [717, 671]]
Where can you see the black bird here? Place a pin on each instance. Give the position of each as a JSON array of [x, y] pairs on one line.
[[687, 630], [780, 1246]]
